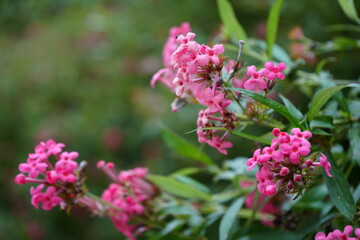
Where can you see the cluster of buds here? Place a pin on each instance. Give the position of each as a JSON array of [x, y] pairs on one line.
[[197, 73], [130, 197], [337, 234], [285, 165], [63, 180]]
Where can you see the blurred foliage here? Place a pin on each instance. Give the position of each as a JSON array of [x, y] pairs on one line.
[[79, 71]]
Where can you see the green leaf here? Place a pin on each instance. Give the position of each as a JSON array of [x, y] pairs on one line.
[[170, 185], [322, 97], [271, 104], [250, 137], [349, 9], [272, 25], [339, 190], [229, 217], [292, 109], [228, 18], [242, 134], [192, 182], [354, 136], [179, 145], [323, 121]]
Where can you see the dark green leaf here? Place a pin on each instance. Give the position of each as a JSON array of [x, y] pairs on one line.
[[177, 188], [250, 137], [269, 234], [318, 131], [272, 25], [339, 190], [179, 145], [292, 109], [349, 9], [228, 18], [322, 97], [229, 217], [323, 121], [271, 104]]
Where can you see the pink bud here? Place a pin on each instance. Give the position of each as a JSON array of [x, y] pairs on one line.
[[284, 171], [100, 164], [20, 179], [297, 178], [275, 132], [110, 165]]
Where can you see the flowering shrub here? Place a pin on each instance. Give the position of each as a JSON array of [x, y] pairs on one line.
[[293, 200]]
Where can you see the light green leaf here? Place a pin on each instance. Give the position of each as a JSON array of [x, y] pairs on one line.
[[182, 147], [292, 109], [322, 97], [354, 136], [228, 18], [272, 25], [271, 104], [339, 190], [171, 185], [192, 182], [229, 217], [349, 9]]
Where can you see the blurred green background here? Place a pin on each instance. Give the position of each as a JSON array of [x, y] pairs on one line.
[[79, 72]]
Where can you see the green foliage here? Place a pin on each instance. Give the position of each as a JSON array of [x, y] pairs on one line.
[[227, 15], [180, 189], [322, 97], [271, 104], [272, 26], [228, 220], [349, 9], [339, 190], [182, 147]]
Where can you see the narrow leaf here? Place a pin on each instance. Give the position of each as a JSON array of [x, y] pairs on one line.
[[354, 136], [271, 104], [182, 147], [242, 134], [177, 188], [272, 25], [250, 137], [339, 190], [228, 18], [228, 220], [349, 9], [322, 97], [292, 109]]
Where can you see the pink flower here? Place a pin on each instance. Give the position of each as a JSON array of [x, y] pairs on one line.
[[33, 167], [275, 71], [256, 81], [338, 235], [219, 144], [212, 99], [251, 162], [49, 199]]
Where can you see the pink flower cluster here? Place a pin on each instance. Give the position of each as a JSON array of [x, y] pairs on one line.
[[40, 170], [284, 164], [128, 194], [338, 235], [264, 79], [194, 72]]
